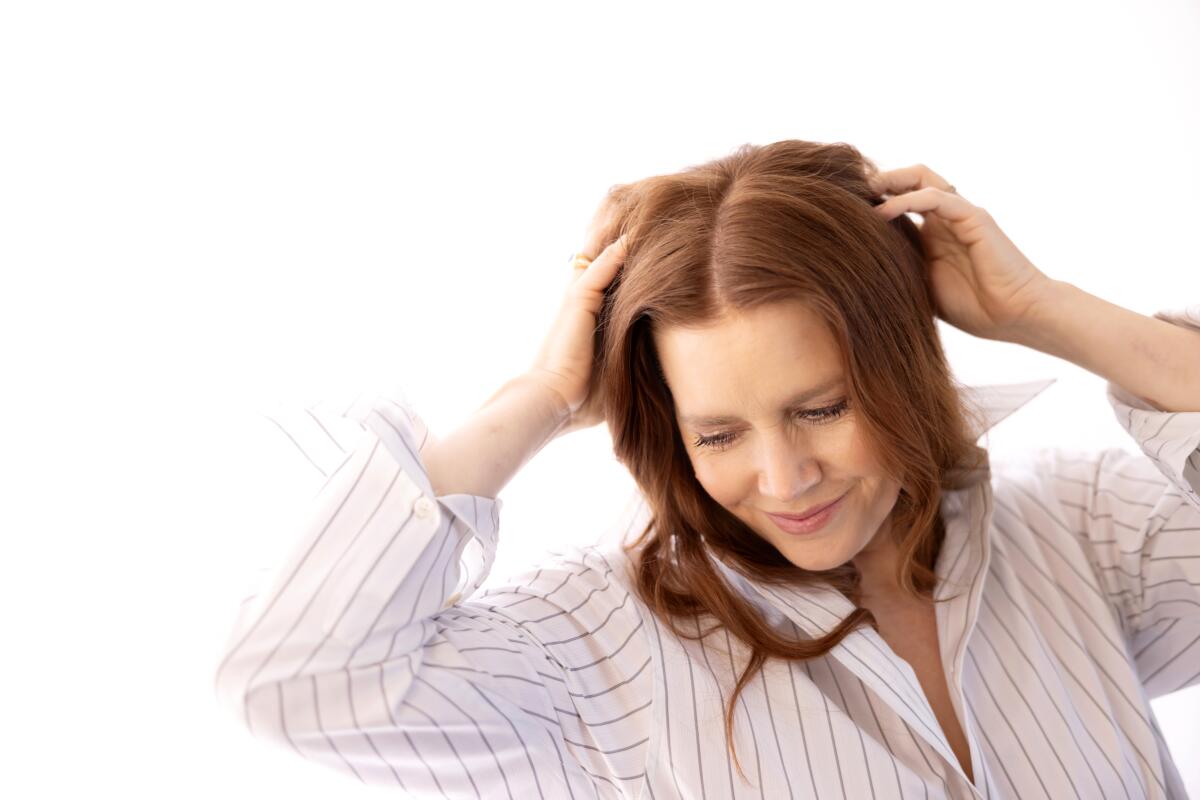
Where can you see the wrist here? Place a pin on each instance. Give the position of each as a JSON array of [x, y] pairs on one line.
[[1038, 327], [548, 400]]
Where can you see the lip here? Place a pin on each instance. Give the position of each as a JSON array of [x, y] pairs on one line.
[[811, 523]]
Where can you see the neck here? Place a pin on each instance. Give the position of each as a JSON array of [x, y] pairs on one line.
[[876, 565]]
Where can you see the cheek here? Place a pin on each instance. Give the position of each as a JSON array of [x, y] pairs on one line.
[[729, 480], [717, 482], [855, 454]]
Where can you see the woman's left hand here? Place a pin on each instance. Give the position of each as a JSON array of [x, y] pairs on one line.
[[981, 282]]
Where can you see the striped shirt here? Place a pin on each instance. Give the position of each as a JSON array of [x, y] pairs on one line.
[[372, 648]]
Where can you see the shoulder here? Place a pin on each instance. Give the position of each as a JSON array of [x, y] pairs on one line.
[[579, 601], [1072, 502], [1077, 478]]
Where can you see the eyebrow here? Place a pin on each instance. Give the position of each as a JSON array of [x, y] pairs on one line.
[[797, 400]]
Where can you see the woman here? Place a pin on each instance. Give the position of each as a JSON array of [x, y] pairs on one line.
[[830, 593]]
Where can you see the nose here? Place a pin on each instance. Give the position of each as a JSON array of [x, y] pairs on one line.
[[788, 469]]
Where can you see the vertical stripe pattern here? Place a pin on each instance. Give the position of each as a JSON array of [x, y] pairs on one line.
[[371, 648]]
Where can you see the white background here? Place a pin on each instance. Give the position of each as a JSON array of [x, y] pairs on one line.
[[208, 207]]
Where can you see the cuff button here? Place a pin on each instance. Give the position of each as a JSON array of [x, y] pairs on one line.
[[424, 507]]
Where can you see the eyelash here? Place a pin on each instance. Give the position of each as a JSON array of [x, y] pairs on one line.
[[816, 416]]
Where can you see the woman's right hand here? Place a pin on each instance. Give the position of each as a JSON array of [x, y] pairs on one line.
[[564, 365]]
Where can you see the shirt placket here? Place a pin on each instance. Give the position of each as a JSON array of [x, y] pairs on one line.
[[962, 570], [864, 653]]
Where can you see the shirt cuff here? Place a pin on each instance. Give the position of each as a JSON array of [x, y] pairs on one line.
[[1170, 439], [387, 412]]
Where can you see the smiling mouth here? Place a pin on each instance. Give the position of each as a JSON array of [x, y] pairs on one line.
[[812, 512]]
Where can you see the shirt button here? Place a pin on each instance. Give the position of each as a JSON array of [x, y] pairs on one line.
[[423, 507]]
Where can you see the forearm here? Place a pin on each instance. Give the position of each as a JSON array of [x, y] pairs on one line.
[[483, 454], [1148, 357]]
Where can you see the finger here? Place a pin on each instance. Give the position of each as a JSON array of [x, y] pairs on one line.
[[948, 205], [907, 179], [600, 273]]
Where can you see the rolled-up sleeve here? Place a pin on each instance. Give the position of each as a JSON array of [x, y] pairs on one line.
[[1137, 516], [1155, 555], [370, 649]]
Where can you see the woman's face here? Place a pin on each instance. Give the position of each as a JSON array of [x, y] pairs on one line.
[[789, 442]]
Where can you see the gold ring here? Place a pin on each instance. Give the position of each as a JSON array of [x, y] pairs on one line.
[[580, 261]]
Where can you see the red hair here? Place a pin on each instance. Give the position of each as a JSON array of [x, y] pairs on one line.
[[791, 220]]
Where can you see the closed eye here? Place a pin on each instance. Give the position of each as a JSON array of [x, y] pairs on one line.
[[815, 416]]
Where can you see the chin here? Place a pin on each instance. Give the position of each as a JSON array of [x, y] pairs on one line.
[[817, 563]]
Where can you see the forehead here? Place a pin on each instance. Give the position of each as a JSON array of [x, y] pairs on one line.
[[777, 332], [752, 361]]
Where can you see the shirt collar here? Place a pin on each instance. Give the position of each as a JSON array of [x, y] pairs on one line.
[[995, 402]]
